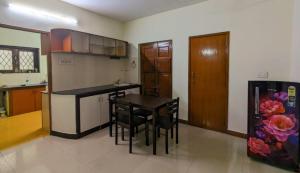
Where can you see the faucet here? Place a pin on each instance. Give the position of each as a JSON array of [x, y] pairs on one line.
[[118, 81]]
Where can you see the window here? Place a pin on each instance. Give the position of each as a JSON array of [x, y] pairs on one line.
[[19, 60]]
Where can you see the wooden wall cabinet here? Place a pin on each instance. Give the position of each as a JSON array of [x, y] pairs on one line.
[[80, 42], [69, 41], [25, 100]]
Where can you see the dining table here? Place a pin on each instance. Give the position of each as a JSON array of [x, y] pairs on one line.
[[150, 103]]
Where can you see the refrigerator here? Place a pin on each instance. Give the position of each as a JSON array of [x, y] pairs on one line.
[[273, 123]]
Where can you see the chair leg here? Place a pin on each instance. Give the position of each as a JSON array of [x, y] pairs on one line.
[[130, 139], [110, 127], [132, 132], [123, 138], [147, 132], [172, 132], [158, 132], [110, 120], [116, 135], [177, 133], [167, 142]]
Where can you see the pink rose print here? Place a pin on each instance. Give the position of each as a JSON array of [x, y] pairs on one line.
[[258, 146], [281, 126], [271, 107]]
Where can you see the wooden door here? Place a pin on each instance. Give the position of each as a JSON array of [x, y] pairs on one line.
[[208, 81], [156, 68]]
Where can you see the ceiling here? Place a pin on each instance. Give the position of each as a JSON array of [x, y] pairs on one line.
[[126, 10]]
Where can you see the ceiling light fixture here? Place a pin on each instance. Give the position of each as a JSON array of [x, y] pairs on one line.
[[41, 14]]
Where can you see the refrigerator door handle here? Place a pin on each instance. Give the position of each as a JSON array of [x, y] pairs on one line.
[[256, 100]]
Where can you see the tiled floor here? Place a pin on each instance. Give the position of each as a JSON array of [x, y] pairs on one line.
[[199, 151]]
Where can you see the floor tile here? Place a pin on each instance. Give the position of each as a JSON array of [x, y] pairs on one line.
[[198, 151]]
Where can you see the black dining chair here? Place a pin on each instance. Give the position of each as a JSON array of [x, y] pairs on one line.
[[126, 119], [136, 111], [143, 114], [168, 120], [112, 100]]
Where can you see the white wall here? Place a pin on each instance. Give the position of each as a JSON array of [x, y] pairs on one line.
[[85, 71], [295, 70], [88, 21], [24, 39], [260, 42]]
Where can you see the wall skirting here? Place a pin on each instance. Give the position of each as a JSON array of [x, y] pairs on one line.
[[229, 132]]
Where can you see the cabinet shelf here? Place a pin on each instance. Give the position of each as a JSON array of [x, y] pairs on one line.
[[75, 42]]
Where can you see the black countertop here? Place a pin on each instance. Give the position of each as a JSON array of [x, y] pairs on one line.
[[12, 87], [95, 90]]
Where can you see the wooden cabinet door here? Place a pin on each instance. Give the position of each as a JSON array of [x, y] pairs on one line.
[[25, 100], [156, 68], [80, 42], [21, 101], [97, 45], [38, 98], [121, 48]]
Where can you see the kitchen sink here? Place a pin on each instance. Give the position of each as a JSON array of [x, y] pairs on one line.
[[122, 84]]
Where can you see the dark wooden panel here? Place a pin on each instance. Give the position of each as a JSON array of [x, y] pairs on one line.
[[156, 58], [163, 52], [149, 80], [25, 100], [148, 65], [38, 98], [45, 43], [164, 65], [149, 53], [208, 81], [21, 101], [164, 85]]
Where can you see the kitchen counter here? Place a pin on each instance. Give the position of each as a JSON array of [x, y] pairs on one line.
[[77, 113], [95, 90], [12, 87]]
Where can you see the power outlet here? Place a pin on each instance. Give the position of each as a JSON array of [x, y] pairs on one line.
[[263, 75]]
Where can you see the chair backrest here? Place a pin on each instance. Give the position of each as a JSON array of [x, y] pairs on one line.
[[124, 111], [173, 108], [114, 95]]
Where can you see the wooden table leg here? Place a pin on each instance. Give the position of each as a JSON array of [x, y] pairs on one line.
[[154, 131]]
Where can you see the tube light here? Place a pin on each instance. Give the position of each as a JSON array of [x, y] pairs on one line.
[[41, 14]]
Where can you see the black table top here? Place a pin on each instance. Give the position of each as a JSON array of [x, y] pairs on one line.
[[145, 102], [95, 90]]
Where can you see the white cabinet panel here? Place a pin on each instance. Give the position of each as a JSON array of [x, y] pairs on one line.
[[90, 112], [104, 118], [63, 114]]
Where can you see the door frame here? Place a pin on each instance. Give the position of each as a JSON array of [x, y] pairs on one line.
[[141, 66], [47, 53], [227, 34]]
